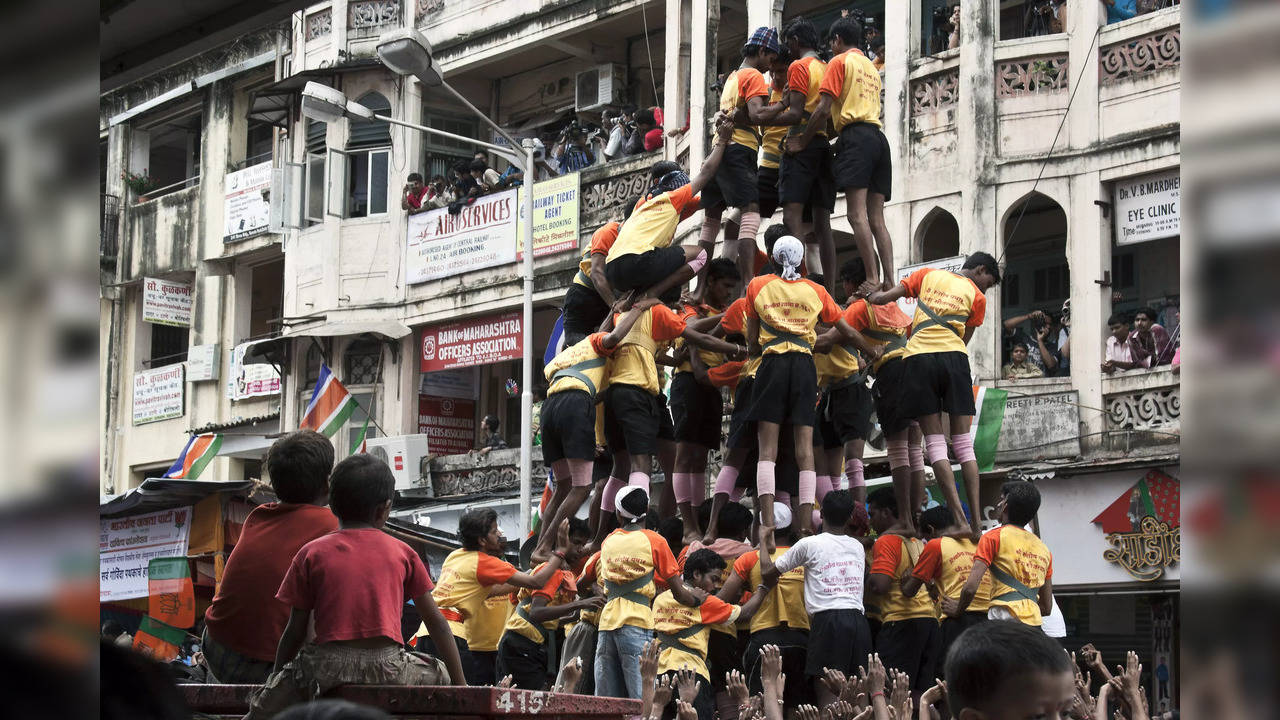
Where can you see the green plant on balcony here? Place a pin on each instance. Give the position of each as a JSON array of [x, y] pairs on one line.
[[138, 183], [1044, 72]]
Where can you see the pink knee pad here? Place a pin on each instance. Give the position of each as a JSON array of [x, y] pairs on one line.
[[765, 478], [936, 447], [963, 445], [697, 488], [916, 453], [680, 487], [639, 479], [610, 492], [808, 486], [726, 480], [697, 263], [825, 485], [897, 452], [854, 471], [580, 472]]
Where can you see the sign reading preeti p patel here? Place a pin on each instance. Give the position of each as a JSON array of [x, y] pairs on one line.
[[480, 341], [482, 235]]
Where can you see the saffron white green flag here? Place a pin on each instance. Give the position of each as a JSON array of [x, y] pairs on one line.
[[985, 429]]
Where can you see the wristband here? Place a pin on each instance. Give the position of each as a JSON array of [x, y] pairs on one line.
[[878, 692]]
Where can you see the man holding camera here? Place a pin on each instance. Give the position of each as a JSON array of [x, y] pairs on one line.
[[572, 151], [413, 194]]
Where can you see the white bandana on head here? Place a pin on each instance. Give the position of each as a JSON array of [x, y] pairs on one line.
[[788, 253], [624, 492]]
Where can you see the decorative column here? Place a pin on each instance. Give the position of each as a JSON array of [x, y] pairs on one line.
[[701, 54], [675, 83]]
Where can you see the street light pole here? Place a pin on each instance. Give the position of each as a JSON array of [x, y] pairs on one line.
[[526, 329]]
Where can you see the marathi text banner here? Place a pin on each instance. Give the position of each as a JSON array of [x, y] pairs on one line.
[[126, 545]]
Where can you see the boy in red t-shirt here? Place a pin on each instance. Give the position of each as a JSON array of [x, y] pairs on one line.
[[353, 583]]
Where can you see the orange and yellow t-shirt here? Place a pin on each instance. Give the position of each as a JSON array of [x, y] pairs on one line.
[[587, 358], [947, 562], [653, 224], [709, 359], [805, 76], [788, 311], [587, 578], [670, 616], [602, 241], [740, 86], [734, 322], [464, 584], [882, 325], [771, 136], [1015, 552], [894, 555], [625, 557], [954, 298], [560, 589], [783, 606], [633, 358], [484, 630], [854, 83]]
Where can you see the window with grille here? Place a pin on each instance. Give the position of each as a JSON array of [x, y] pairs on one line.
[[362, 360], [314, 200], [168, 345]]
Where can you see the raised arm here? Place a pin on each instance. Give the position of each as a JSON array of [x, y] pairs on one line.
[[626, 322], [884, 297], [724, 130], [533, 581]]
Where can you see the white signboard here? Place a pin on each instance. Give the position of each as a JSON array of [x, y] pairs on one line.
[[127, 544], [158, 394], [482, 235], [165, 302], [246, 212], [1148, 207], [252, 380], [458, 383], [202, 362], [908, 305]]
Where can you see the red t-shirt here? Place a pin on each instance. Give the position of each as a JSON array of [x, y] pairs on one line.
[[245, 615], [356, 583], [415, 199]]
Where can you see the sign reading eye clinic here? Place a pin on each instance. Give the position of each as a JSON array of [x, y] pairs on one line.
[[1148, 207], [482, 235], [479, 341]]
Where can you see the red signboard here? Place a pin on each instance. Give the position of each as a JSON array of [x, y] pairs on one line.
[[448, 423], [479, 341]]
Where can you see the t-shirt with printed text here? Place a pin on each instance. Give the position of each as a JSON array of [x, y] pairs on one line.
[[465, 579], [633, 358], [783, 606], [788, 311], [894, 556], [740, 86], [805, 76], [954, 298], [854, 83], [626, 556], [587, 359], [947, 563], [1014, 553], [653, 224], [834, 566], [671, 617]]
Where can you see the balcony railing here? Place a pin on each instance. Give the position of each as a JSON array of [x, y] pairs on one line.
[[1144, 400], [109, 233]]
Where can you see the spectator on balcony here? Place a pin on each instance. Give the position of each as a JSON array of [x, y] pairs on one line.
[[439, 193], [1148, 341], [572, 151], [487, 179], [1063, 340], [1119, 349], [1040, 351], [414, 193], [1019, 366], [493, 440], [878, 60], [639, 141], [1118, 10], [620, 125]]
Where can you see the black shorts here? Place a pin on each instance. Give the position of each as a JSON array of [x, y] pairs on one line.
[[806, 177], [951, 629], [524, 660], [631, 419], [937, 382], [886, 391], [793, 642], [666, 428], [696, 410], [767, 189], [735, 183], [568, 426], [845, 414], [912, 646], [724, 653], [583, 313], [838, 639], [785, 390], [643, 271], [742, 430], [862, 160]]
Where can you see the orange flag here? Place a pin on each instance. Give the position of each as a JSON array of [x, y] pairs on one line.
[[172, 596], [158, 640]]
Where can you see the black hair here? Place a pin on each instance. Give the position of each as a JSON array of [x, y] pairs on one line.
[[784, 55], [636, 503], [1119, 317], [628, 109], [437, 177], [805, 34], [750, 51], [983, 260], [848, 30], [771, 236], [1021, 501], [662, 167], [1148, 311], [817, 278], [993, 655], [478, 153], [474, 525], [415, 177], [722, 267], [735, 521], [883, 499], [837, 507], [645, 116], [359, 486], [855, 271], [579, 527], [299, 465], [479, 165], [672, 530], [1022, 345], [492, 422], [703, 560], [936, 518]]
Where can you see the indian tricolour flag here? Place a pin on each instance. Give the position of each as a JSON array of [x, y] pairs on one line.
[[200, 450], [330, 405], [985, 429]]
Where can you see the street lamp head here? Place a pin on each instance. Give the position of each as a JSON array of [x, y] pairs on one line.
[[405, 51], [323, 103]]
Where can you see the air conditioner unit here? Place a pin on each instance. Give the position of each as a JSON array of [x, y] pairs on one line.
[[406, 456], [599, 87]]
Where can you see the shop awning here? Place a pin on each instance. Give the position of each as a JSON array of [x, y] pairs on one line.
[[390, 329], [271, 104], [163, 493]]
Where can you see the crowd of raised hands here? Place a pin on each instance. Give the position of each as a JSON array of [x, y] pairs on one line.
[[877, 692]]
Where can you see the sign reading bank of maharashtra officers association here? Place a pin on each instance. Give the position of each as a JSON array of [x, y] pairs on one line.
[[165, 302], [482, 235], [478, 341], [1148, 207]]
